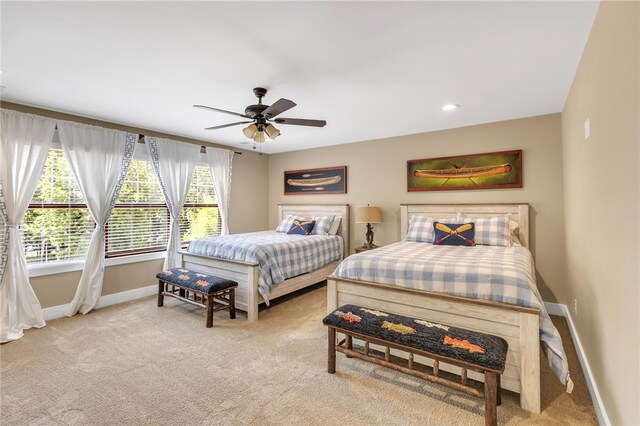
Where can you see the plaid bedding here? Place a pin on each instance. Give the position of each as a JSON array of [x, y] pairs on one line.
[[502, 274], [279, 256]]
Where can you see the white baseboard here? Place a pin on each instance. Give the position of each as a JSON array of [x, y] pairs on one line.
[[563, 310], [108, 300]]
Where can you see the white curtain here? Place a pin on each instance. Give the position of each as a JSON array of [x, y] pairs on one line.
[[220, 162], [24, 143], [99, 159], [173, 163]]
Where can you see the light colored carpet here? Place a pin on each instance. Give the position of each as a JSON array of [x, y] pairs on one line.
[[138, 364]]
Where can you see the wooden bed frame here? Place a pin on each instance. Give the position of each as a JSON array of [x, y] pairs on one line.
[[518, 325], [246, 274]]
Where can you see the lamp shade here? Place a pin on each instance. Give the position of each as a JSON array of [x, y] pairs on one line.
[[271, 131], [250, 131], [259, 137], [368, 214]]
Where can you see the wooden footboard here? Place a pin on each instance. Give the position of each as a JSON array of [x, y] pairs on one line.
[[248, 298], [518, 325]]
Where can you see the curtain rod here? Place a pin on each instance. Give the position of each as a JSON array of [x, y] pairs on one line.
[[202, 147]]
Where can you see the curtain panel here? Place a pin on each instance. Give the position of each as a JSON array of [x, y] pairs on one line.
[[25, 140], [220, 163], [99, 159], [173, 163]]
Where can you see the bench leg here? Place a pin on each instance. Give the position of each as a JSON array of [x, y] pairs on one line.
[[210, 311], [349, 342], [160, 295], [499, 391], [331, 351], [490, 399], [232, 303]]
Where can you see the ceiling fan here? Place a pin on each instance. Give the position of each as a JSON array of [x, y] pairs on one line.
[[262, 116]]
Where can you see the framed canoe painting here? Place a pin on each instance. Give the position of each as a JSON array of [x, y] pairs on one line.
[[491, 170], [328, 180]]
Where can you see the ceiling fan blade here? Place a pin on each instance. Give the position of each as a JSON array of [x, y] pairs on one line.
[[221, 110], [279, 107], [227, 125], [301, 122]]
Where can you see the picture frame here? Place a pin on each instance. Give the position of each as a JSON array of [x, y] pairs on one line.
[[326, 180], [491, 170]]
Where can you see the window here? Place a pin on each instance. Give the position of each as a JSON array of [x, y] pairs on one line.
[[200, 217], [58, 226], [140, 220]]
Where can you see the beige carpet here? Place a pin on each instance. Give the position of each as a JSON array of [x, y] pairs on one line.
[[138, 364]]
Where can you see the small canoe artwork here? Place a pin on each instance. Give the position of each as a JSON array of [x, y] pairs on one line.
[[492, 170], [330, 180]]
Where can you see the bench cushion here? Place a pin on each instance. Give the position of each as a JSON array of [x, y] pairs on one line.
[[484, 350], [197, 281]]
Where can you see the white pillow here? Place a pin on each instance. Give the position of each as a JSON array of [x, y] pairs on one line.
[[490, 230], [335, 225], [421, 228], [514, 229]]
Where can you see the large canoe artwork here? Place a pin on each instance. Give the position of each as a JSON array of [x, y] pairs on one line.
[[491, 170], [328, 180]]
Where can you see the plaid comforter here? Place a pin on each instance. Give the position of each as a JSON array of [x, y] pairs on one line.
[[502, 274], [279, 255]]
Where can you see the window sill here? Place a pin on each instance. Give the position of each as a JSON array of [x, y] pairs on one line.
[[41, 269]]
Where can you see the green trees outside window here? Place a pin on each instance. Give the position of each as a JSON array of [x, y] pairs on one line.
[[58, 226]]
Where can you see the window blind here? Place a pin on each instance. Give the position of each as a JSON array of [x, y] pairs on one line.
[[58, 226]]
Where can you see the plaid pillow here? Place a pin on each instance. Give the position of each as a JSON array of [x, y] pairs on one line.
[[323, 224], [421, 228], [490, 230], [286, 223]]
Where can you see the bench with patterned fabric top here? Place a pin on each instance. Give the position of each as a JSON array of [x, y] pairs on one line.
[[198, 289], [466, 349]]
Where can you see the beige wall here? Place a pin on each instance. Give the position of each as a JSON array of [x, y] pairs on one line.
[[601, 206], [377, 175], [249, 188]]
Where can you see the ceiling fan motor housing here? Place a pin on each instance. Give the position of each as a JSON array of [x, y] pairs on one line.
[[255, 110]]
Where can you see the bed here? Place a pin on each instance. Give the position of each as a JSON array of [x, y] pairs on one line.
[[248, 293], [519, 325]]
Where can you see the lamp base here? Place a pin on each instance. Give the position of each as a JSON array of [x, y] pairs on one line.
[[365, 248]]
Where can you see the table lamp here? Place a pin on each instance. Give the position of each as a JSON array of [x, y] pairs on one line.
[[368, 214]]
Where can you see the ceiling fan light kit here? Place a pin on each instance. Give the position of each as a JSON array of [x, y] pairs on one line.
[[271, 131], [262, 116], [259, 137], [250, 131]]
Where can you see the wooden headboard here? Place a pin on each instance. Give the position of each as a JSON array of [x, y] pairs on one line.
[[519, 213], [319, 210]]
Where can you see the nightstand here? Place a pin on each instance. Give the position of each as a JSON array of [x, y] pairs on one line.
[[363, 248]]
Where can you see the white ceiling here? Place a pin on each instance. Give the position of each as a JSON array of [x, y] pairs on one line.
[[370, 69]]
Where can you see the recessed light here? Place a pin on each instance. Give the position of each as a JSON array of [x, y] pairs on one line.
[[450, 107]]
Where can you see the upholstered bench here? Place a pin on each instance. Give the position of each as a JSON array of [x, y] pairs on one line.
[[466, 349], [198, 289]]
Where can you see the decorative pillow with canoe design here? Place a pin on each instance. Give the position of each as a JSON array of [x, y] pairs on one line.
[[454, 234], [301, 227]]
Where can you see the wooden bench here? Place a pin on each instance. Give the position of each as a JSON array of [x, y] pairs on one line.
[[198, 289], [466, 349]]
